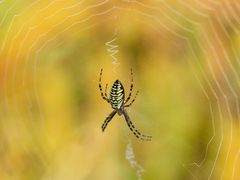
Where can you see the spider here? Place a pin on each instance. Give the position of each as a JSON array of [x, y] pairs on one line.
[[118, 104]]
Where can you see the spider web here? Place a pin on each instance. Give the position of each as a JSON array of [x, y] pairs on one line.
[[113, 49], [21, 61]]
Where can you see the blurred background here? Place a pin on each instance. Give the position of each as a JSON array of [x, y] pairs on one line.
[[185, 60]]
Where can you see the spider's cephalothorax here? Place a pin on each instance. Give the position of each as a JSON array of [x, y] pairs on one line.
[[118, 103]]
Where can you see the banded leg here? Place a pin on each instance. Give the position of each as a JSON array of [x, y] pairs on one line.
[[100, 87], [108, 119], [131, 88], [128, 105], [106, 90], [133, 129]]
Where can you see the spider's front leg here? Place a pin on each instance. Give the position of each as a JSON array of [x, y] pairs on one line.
[[128, 105], [100, 88], [106, 87], [131, 88]]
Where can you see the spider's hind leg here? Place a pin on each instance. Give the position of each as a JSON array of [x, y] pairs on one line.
[[108, 119], [134, 130]]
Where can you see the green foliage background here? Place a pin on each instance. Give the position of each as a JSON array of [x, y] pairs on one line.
[[184, 56]]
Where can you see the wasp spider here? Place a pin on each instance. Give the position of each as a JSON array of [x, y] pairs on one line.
[[118, 103]]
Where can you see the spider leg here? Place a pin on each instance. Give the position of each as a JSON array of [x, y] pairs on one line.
[[133, 129], [106, 90], [128, 105], [131, 88], [108, 119], [100, 87]]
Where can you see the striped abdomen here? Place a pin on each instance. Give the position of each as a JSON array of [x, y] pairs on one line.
[[117, 95]]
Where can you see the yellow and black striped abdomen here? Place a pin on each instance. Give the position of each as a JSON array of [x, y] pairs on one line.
[[117, 95]]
